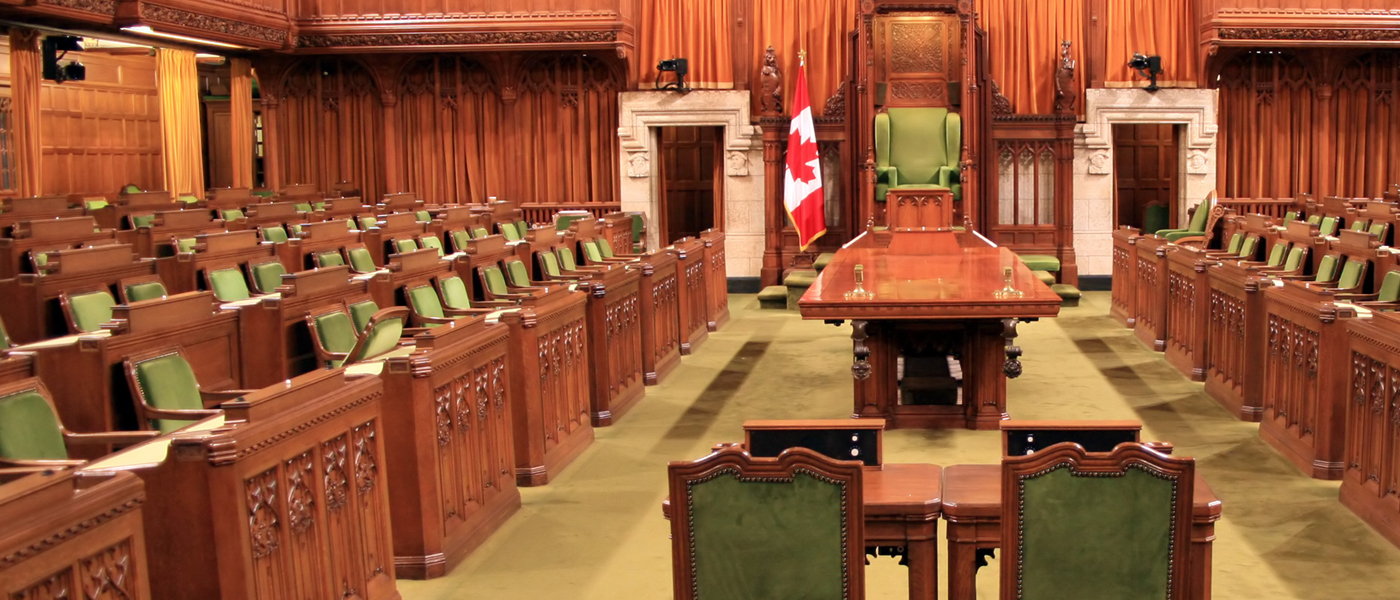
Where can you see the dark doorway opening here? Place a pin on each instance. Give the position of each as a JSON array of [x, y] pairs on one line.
[[692, 184], [1145, 175]]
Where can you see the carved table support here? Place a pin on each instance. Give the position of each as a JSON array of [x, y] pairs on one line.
[[1012, 367], [860, 369]]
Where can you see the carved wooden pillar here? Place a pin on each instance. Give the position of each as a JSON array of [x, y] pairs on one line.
[[1325, 163], [512, 153], [26, 70], [774, 131], [394, 176], [272, 138]]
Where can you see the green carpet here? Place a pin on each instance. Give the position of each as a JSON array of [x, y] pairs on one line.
[[596, 532]]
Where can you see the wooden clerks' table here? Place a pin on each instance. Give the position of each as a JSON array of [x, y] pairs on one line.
[[930, 297]]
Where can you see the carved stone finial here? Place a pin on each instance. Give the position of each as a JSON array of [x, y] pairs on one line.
[[1065, 93], [770, 99], [1001, 105]]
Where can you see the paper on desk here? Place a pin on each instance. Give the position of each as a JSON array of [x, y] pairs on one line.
[[149, 453], [495, 317], [67, 340]]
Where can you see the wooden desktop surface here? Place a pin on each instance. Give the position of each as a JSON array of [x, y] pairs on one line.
[[927, 275]]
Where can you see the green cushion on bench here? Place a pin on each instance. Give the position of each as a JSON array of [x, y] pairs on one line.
[[1040, 262], [823, 260], [1045, 277], [773, 296]]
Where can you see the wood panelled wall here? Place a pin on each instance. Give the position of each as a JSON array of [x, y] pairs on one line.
[[1319, 121], [102, 133], [537, 127]]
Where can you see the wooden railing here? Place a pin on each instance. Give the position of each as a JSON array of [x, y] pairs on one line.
[[1272, 207], [544, 213]]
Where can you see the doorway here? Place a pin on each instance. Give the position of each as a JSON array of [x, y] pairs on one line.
[[1145, 171], [692, 182]]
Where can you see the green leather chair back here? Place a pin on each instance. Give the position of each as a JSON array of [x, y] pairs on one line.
[[1096, 537], [1290, 216], [168, 382], [1198, 218], [406, 246], [1277, 253], [1250, 246], [460, 239], [138, 221], [480, 232], [360, 312], [566, 259], [1155, 219], [1295, 258], [367, 222], [91, 310], [274, 233], [185, 245], [360, 260], [1359, 225], [592, 253], [383, 338], [776, 540], [914, 141], [522, 228], [510, 232], [495, 281], [1328, 226], [1326, 268], [432, 241], [1352, 270], [336, 333], [302, 207], [454, 293], [551, 264], [231, 214], [422, 216], [567, 217], [145, 290], [229, 285], [95, 204], [1390, 287], [131, 188], [319, 206], [425, 303], [350, 224], [5, 342], [29, 429], [1236, 240], [1314, 219], [267, 276], [1379, 229], [519, 275], [638, 226], [605, 247], [329, 259], [296, 229]]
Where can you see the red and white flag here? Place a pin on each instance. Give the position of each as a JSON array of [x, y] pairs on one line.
[[802, 189]]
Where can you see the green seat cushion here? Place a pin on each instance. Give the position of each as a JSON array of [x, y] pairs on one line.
[[425, 302], [454, 293], [1378, 229], [146, 290], [1390, 287], [131, 188], [231, 214], [638, 226], [302, 207], [1040, 262], [360, 260], [94, 204], [185, 245], [566, 259], [367, 222], [1351, 273], [606, 247], [592, 253], [168, 383], [460, 240], [360, 313], [320, 205], [480, 232], [519, 275], [267, 276], [567, 217], [1277, 253], [1359, 225], [432, 241], [1247, 250], [512, 234], [1096, 537], [1295, 258], [405, 246], [1314, 219], [336, 333], [274, 233], [383, 338], [296, 229], [1326, 268], [29, 429], [551, 264], [1290, 216], [229, 285], [350, 224], [422, 216], [495, 281], [1236, 240], [329, 259], [1328, 226], [775, 540], [91, 310], [1045, 277], [142, 220]]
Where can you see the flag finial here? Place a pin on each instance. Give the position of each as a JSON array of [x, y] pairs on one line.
[[802, 57]]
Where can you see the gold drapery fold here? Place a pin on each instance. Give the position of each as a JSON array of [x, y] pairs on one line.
[[822, 27], [177, 79], [700, 31], [26, 76], [1024, 38], [332, 127], [1165, 28], [241, 122]]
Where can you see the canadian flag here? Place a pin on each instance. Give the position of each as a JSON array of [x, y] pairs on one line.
[[802, 189]]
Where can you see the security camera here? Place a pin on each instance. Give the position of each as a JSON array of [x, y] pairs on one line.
[[1148, 67]]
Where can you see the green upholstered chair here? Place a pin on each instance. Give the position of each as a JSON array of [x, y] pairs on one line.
[[138, 289], [167, 393], [31, 434], [422, 216], [1350, 280], [1197, 226], [5, 343], [94, 203], [303, 207], [494, 286], [460, 240], [296, 229], [785, 528], [1293, 265], [1314, 219], [1328, 226], [329, 258], [361, 310], [367, 222], [185, 245], [333, 336], [510, 232], [382, 335], [480, 232], [1290, 217], [1249, 248], [266, 276], [592, 253], [275, 234], [139, 221], [428, 309], [228, 284], [639, 230], [231, 214], [350, 224], [1387, 297], [1325, 274], [564, 218], [1277, 254], [432, 241], [1236, 240], [1381, 230], [918, 148], [1359, 225], [187, 199], [1112, 525], [131, 188], [405, 246], [518, 273], [87, 309], [1156, 217], [566, 258], [360, 260]]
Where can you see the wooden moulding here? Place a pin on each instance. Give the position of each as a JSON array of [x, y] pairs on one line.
[[448, 445], [1124, 290], [1187, 317], [615, 342], [692, 291], [717, 278], [550, 386], [66, 533], [1372, 464], [1150, 291], [660, 303]]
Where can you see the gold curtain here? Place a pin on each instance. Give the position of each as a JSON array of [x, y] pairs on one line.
[[26, 75], [449, 117], [1165, 28], [822, 27], [697, 30], [1025, 37], [181, 145], [331, 124], [241, 122], [564, 116]]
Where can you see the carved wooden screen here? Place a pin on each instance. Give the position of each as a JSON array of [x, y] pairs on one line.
[[333, 126], [7, 144], [919, 57], [1025, 182]]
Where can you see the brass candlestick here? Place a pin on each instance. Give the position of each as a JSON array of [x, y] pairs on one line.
[[859, 293], [1007, 291]]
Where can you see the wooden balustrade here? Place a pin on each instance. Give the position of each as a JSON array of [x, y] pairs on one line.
[[1150, 291], [661, 326], [1269, 207], [694, 294], [544, 213], [1123, 294], [1187, 317], [1371, 475], [716, 279], [449, 446]]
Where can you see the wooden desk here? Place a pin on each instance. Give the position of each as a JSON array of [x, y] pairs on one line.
[[933, 293], [902, 506], [694, 294], [972, 507], [276, 342], [717, 278], [1124, 290], [30, 309], [47, 234]]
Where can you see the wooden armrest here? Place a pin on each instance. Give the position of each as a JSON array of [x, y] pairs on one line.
[[224, 395], [1377, 305], [466, 312], [1355, 298], [110, 437], [181, 414], [496, 303]]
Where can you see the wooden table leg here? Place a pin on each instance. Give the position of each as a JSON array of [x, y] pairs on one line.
[[962, 570], [922, 558]]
